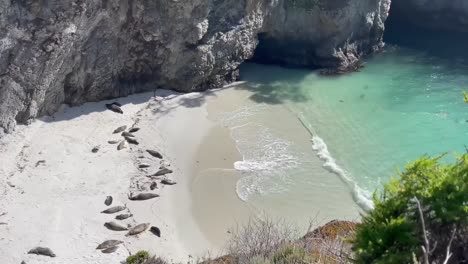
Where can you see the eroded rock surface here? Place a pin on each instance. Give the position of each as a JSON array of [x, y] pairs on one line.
[[74, 51]]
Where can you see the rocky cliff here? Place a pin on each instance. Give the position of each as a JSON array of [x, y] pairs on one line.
[[73, 51], [447, 15]]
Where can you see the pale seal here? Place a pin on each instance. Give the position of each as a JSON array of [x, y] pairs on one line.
[[109, 243], [122, 145], [110, 250], [114, 226], [138, 229]]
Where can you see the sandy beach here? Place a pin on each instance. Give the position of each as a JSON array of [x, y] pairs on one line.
[[53, 186]]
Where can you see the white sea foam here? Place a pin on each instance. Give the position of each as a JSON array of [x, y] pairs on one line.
[[361, 197], [266, 157]]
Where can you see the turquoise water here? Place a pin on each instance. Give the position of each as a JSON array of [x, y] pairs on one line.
[[403, 104]]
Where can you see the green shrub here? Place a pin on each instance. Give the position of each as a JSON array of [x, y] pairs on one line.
[[139, 258], [392, 232]]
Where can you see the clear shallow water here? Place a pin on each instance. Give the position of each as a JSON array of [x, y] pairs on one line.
[[402, 105]]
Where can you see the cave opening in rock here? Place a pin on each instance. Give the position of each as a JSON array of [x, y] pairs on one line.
[[408, 29]]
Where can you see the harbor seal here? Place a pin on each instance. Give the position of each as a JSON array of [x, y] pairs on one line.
[[154, 153], [108, 200], [153, 186], [127, 134], [114, 107], [168, 182], [138, 229], [132, 140], [123, 216], [134, 129], [143, 165], [113, 141], [161, 172], [109, 243], [95, 149], [110, 250], [114, 209], [119, 129], [142, 196], [114, 226], [156, 231], [42, 251], [122, 145]]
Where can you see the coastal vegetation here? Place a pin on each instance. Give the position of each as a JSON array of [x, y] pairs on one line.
[[421, 216]]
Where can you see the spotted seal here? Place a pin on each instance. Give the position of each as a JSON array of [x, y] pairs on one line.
[[114, 209], [109, 243], [45, 251], [138, 229]]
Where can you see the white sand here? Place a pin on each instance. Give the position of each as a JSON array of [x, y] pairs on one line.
[[57, 204]]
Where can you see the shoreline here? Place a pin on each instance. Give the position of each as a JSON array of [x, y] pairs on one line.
[[194, 216]]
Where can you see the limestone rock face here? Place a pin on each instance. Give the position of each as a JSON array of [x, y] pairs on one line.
[[433, 14], [72, 51]]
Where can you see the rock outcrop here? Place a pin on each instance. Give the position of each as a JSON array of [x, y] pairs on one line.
[[433, 14], [73, 51], [323, 33]]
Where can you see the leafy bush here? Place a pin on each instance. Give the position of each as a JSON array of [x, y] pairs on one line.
[[393, 231], [139, 258]]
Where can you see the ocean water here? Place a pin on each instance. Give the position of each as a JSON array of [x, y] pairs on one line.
[[362, 127]]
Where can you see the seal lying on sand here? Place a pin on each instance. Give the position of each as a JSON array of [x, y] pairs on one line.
[[133, 129], [122, 145], [110, 250], [109, 243], [156, 231], [114, 226], [108, 200], [113, 141], [42, 251], [142, 196], [115, 107], [119, 129], [161, 172], [154, 153], [143, 165], [132, 140], [114, 209], [168, 182], [123, 216], [127, 134], [137, 229]]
